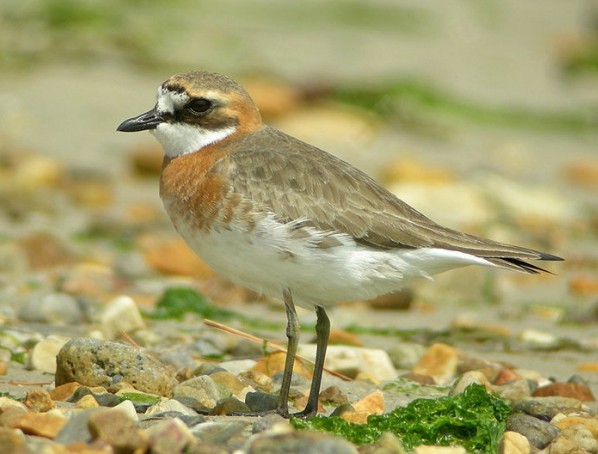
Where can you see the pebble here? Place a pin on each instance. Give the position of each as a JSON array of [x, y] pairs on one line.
[[88, 401], [273, 97], [147, 160], [299, 442], [12, 441], [170, 406], [43, 355], [388, 443], [259, 402], [118, 430], [41, 424], [121, 315], [45, 251], [127, 408], [590, 423], [170, 437], [472, 376], [547, 407], [228, 381], [89, 279], [96, 363], [539, 433], [257, 380], [11, 411], [333, 396], [238, 366], [399, 301], [218, 432], [228, 406], [200, 393], [440, 362], [56, 308], [372, 404], [574, 440], [518, 389], [39, 401], [173, 257], [76, 430], [342, 337], [457, 203], [405, 355], [566, 389], [65, 391], [273, 364], [514, 443], [350, 361], [268, 422]]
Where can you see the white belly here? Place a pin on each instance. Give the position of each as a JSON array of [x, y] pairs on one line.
[[270, 258]]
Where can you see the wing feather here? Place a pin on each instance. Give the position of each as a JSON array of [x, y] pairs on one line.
[[298, 181]]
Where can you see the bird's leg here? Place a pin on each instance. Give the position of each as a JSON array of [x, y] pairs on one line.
[[293, 339], [322, 333]]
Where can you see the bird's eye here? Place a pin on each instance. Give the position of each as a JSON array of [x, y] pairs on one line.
[[199, 106]]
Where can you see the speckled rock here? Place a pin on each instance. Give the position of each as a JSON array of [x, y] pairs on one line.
[[97, 363], [39, 401]]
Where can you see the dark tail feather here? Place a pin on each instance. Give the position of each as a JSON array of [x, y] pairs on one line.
[[521, 265]]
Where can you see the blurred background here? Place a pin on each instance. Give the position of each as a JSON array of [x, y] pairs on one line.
[[481, 114]]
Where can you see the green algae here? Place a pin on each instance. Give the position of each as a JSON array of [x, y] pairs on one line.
[[473, 419]]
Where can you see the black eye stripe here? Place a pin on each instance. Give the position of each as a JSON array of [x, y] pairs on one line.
[[199, 106]]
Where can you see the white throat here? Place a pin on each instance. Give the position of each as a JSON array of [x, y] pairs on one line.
[[180, 138]]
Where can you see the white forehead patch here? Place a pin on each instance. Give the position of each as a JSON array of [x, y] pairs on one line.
[[180, 138], [170, 101]]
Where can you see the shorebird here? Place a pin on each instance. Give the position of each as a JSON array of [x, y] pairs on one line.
[[286, 219]]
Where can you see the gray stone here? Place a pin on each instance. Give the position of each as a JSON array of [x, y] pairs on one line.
[[218, 432], [266, 422], [96, 363], [76, 429], [539, 433], [55, 308], [259, 402], [517, 389], [300, 442], [547, 407]]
